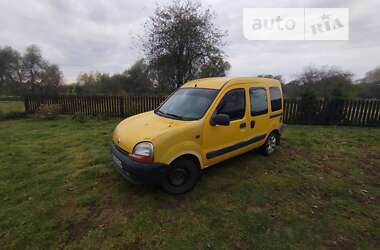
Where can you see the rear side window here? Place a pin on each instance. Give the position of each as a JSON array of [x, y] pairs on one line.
[[275, 98], [233, 104], [259, 101]]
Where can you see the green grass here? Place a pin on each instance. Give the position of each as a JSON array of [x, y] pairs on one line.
[[58, 190], [11, 106]]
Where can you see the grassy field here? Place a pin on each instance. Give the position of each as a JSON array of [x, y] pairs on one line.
[[58, 190], [11, 106]]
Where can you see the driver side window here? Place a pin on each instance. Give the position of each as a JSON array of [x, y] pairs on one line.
[[233, 104]]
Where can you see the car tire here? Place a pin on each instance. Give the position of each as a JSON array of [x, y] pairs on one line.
[[273, 140], [181, 177]]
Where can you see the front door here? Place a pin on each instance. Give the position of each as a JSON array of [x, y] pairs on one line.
[[222, 142]]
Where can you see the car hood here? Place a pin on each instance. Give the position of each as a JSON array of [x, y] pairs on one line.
[[143, 127]]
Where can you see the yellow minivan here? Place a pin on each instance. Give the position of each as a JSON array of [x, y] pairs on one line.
[[204, 122]]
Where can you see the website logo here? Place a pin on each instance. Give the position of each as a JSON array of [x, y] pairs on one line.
[[296, 23]]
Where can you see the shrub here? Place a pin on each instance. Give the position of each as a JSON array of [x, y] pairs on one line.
[[48, 111], [309, 106], [79, 117], [102, 116], [12, 115]]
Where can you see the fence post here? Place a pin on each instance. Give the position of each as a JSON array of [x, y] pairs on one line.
[[26, 103], [122, 108]]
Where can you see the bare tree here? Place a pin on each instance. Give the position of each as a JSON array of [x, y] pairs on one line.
[[182, 43]]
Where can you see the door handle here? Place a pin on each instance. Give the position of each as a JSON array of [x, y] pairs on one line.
[[243, 125], [253, 124]]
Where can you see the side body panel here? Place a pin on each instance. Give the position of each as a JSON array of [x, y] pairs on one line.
[[233, 139]]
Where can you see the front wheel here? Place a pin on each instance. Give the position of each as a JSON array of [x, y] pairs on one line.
[[270, 144], [182, 176]]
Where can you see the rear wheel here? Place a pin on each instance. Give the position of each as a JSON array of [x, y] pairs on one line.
[[182, 176], [271, 143]]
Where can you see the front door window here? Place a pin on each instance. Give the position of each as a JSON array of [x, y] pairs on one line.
[[233, 104]]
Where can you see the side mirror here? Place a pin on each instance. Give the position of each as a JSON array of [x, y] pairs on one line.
[[220, 119]]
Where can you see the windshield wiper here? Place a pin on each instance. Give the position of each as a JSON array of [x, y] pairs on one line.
[[175, 116], [170, 115]]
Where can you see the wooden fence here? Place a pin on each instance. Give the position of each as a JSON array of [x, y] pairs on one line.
[[113, 106], [352, 112]]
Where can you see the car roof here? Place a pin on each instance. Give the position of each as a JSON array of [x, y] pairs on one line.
[[220, 82]]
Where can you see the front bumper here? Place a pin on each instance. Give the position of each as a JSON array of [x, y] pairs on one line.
[[137, 172]]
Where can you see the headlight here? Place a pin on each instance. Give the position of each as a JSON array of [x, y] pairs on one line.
[[143, 152], [143, 148]]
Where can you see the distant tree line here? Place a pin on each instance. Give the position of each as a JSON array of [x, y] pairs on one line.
[[133, 81], [331, 82]]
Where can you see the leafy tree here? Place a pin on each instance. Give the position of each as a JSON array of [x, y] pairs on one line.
[[51, 79], [372, 76], [29, 73], [215, 67], [138, 78], [293, 89], [182, 43], [11, 77], [369, 86], [89, 83], [33, 65], [277, 77], [368, 90]]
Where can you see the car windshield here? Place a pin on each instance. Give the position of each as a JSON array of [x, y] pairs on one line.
[[187, 103]]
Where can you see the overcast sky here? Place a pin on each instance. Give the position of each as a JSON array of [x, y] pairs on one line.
[[100, 35]]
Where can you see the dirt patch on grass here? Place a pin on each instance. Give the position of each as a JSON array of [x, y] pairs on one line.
[[80, 220], [288, 152], [173, 202], [137, 244], [370, 155], [110, 216], [109, 178], [113, 210], [324, 163], [77, 231], [71, 212]]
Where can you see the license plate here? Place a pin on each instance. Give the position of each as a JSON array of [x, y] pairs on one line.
[[117, 161]]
